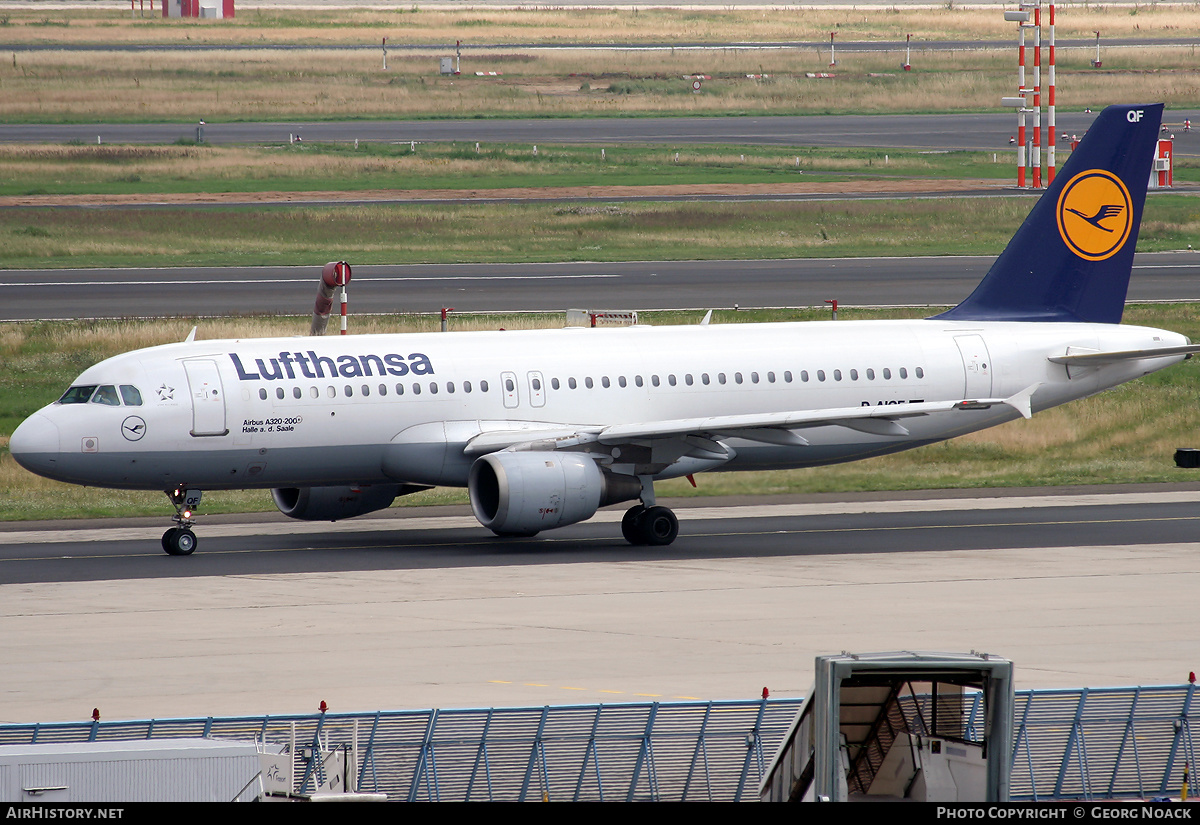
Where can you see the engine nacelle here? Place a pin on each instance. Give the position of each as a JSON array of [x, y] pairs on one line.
[[333, 503], [525, 492]]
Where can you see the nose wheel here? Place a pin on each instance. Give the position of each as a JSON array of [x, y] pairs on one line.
[[180, 540]]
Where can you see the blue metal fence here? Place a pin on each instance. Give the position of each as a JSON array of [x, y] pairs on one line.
[[1069, 744]]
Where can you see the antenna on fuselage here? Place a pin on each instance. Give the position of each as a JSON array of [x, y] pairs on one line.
[[334, 275]]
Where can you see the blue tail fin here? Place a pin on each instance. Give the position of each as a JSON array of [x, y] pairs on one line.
[[1071, 259]]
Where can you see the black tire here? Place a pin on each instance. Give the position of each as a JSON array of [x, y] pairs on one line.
[[181, 541], [658, 526], [629, 525]]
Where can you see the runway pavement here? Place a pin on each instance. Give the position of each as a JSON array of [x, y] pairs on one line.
[[1090, 586], [932, 132], [217, 291]]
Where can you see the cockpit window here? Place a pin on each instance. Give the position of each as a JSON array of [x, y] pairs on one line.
[[131, 396], [78, 395], [106, 394]]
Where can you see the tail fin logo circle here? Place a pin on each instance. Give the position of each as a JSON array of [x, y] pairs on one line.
[[1095, 214]]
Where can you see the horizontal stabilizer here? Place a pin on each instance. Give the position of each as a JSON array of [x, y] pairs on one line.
[[1096, 359]]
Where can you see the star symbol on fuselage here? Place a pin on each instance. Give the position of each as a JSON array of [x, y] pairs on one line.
[[166, 393]]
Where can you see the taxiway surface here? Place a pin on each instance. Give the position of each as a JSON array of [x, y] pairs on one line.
[[1088, 586]]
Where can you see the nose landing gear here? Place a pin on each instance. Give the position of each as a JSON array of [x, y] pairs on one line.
[[180, 540]]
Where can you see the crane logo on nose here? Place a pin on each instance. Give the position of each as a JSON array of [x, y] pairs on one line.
[[133, 428]]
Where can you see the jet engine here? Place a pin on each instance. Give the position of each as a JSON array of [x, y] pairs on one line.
[[522, 493], [333, 503]]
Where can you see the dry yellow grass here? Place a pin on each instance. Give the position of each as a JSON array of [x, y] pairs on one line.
[[61, 85], [412, 24], [255, 84]]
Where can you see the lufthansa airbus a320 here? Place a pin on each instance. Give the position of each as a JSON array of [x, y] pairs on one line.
[[545, 427]]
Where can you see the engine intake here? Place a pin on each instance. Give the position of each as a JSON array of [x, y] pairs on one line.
[[525, 492]]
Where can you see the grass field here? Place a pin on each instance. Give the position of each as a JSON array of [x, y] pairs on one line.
[[1128, 434], [34, 238], [126, 169], [439, 26], [48, 84]]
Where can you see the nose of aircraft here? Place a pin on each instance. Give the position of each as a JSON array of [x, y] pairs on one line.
[[35, 444]]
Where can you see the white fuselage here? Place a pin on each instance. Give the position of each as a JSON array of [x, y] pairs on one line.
[[370, 409]]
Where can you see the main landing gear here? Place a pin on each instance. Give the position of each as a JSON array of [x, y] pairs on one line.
[[647, 523], [654, 526], [180, 540]]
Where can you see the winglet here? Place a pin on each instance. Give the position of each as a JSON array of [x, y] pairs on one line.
[[1022, 402]]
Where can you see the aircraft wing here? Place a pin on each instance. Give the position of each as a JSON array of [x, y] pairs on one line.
[[881, 420], [773, 428]]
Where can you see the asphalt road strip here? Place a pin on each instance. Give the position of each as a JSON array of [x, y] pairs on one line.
[[88, 532]]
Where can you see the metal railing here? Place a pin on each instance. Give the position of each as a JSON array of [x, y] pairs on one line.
[[1069, 744]]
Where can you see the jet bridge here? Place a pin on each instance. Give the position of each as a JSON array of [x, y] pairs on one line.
[[895, 726]]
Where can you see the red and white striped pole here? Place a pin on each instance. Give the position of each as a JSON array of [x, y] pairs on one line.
[[1021, 114], [1036, 160], [343, 309], [1050, 106]]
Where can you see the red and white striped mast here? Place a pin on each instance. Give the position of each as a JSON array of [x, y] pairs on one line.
[[1021, 18], [1050, 106], [1036, 160]]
